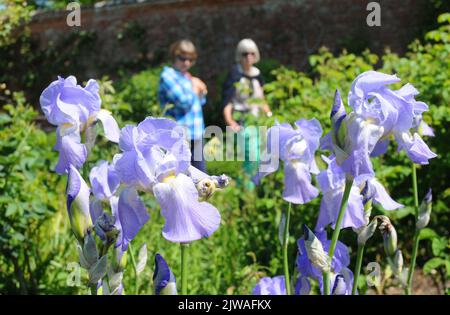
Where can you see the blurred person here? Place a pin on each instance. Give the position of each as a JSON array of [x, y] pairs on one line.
[[243, 101], [183, 95]]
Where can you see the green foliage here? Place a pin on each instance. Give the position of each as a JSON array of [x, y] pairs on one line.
[[12, 16], [441, 262], [32, 232], [139, 94]]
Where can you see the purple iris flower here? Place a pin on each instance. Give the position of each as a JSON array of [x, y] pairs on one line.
[[74, 109], [394, 111], [297, 148], [163, 278], [339, 264], [332, 183], [351, 140], [153, 150], [156, 158], [270, 286]]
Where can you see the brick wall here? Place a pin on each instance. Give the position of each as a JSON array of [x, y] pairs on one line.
[[287, 31]]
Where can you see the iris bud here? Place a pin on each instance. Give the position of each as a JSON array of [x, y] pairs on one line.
[[163, 279], [389, 235], [207, 186], [424, 211], [314, 249], [78, 204], [339, 285], [338, 114], [367, 232], [106, 230], [120, 262], [398, 262]]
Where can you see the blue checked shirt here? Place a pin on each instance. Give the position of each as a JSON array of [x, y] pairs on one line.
[[176, 89]]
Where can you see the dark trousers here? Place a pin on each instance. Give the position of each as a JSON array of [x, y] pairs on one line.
[[197, 157]]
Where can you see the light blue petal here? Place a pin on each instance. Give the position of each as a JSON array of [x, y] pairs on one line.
[[186, 219], [132, 215], [297, 184]]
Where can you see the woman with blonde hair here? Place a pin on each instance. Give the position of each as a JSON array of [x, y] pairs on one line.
[[186, 95], [243, 97]]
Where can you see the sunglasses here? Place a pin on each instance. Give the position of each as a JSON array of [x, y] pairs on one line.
[[183, 59], [245, 54]]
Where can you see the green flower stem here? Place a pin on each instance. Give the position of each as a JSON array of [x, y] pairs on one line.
[[416, 235], [337, 230], [133, 263], [413, 263], [357, 271], [184, 247], [285, 250], [415, 190]]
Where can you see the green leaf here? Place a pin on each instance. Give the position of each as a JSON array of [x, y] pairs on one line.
[[90, 251], [447, 268], [11, 209], [18, 236], [438, 245], [142, 259], [281, 229], [98, 271], [427, 233], [432, 264]]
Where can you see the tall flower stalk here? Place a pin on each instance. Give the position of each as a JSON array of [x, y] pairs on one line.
[[422, 218], [285, 250], [416, 234], [359, 257], [184, 250], [133, 263], [337, 230]]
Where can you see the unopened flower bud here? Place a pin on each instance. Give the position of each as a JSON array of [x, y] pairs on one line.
[[120, 262], [338, 114], [314, 249], [78, 204], [207, 186], [221, 181], [389, 235], [339, 285], [367, 232], [163, 279], [424, 211], [105, 229], [397, 263]]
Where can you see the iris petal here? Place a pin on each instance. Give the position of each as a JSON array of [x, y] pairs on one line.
[[132, 215], [297, 184], [270, 286], [186, 219]]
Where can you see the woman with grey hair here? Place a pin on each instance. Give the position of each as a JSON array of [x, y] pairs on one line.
[[243, 98]]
